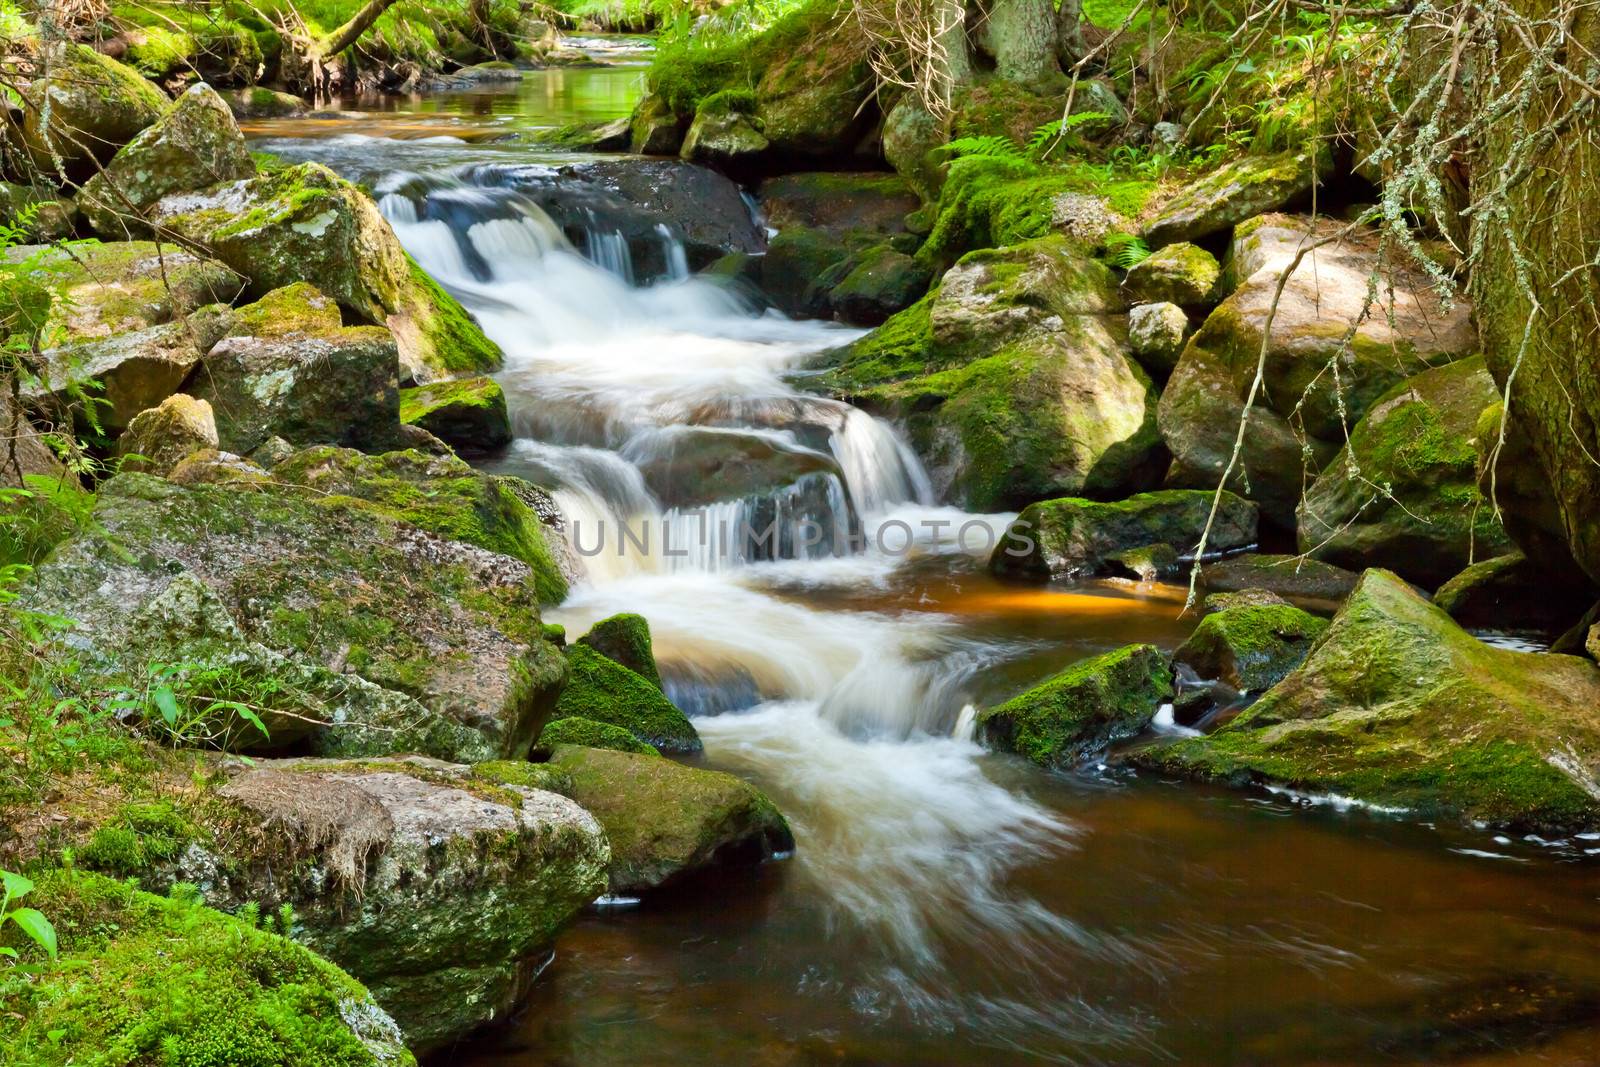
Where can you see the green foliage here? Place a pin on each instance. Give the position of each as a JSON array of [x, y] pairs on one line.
[[36, 518], [192, 705], [137, 837], [1111, 14], [1126, 250], [987, 146], [30, 921]]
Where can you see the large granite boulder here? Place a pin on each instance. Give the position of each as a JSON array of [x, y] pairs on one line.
[[161, 437], [1513, 592], [1403, 492], [1398, 707], [469, 414], [1228, 195], [83, 109], [1294, 577]]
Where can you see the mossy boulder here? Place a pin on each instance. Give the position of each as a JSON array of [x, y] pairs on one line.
[[1228, 195], [83, 109], [1250, 647], [605, 691], [1244, 598], [306, 224], [259, 102], [625, 639], [1295, 577], [801, 267], [1181, 273], [657, 130], [1156, 333], [1403, 492], [328, 581], [53, 217], [667, 822], [196, 144], [1013, 379], [151, 979], [723, 138], [839, 203], [1077, 714], [287, 367], [1513, 592], [592, 734], [1397, 706], [440, 494], [1327, 313], [120, 375], [815, 87], [433, 885], [467, 413], [1071, 537], [881, 281], [912, 138], [161, 437]]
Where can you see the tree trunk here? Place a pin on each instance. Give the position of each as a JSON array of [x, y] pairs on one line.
[[351, 31], [1023, 33], [1069, 32], [954, 65]]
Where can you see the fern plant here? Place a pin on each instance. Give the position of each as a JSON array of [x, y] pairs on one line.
[[1126, 250], [988, 146]]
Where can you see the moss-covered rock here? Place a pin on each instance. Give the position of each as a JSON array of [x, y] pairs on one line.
[[657, 130], [911, 140], [162, 436], [440, 494], [118, 376], [1244, 598], [288, 368], [1512, 592], [1295, 577], [593, 734], [83, 109], [604, 690], [1329, 312], [1013, 380], [467, 413], [429, 883], [1156, 333], [306, 224], [667, 822], [801, 267], [1250, 647], [149, 979], [815, 86], [1181, 273], [1399, 707], [1070, 537], [1222, 198], [1076, 714], [839, 203], [259, 102], [37, 212], [625, 639], [194, 145], [881, 282], [330, 582], [1403, 492], [723, 137]]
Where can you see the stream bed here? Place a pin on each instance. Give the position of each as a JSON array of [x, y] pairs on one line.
[[943, 905]]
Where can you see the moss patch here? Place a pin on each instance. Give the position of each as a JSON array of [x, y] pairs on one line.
[[1250, 647], [593, 734], [605, 691]]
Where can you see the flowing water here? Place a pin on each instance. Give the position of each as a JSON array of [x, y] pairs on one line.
[[944, 905]]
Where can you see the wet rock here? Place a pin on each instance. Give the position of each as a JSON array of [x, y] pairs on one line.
[[257, 102], [160, 437], [605, 691], [723, 138], [158, 977], [1244, 598], [1075, 715], [1398, 706], [306, 224], [467, 413], [1071, 537], [1250, 647], [694, 466], [625, 639], [1327, 295], [880, 283], [667, 822], [436, 887], [84, 108], [1512, 592], [592, 734], [839, 203], [1145, 563], [1182, 274], [1013, 380], [1156, 333], [331, 581], [802, 266], [1228, 195], [1403, 494], [194, 145], [288, 368], [656, 128], [1294, 577]]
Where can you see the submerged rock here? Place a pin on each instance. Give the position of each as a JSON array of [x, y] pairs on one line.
[[667, 822], [1077, 714], [160, 437], [83, 109], [605, 691], [1403, 492], [1230, 194], [468, 413], [433, 886], [625, 639], [694, 466], [306, 224], [1072, 537], [165, 978], [196, 144], [1397, 706], [1249, 647]]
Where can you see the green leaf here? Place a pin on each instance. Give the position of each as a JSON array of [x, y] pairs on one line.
[[16, 886], [35, 925], [8, 952], [167, 703]]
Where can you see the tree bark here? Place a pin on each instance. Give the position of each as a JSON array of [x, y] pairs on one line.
[[351, 31], [1023, 34], [955, 65], [1069, 32]]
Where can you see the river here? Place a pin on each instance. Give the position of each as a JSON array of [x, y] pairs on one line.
[[944, 905]]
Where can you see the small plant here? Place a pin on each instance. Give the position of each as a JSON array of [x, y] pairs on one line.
[[192, 704], [1127, 250], [988, 146], [29, 920]]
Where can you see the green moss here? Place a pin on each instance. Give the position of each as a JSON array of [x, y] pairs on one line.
[[150, 980], [605, 691], [158, 51], [524, 774], [1078, 712], [728, 102], [625, 639], [593, 734], [458, 341], [470, 398], [138, 837], [1251, 647]]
